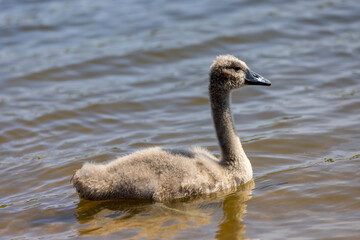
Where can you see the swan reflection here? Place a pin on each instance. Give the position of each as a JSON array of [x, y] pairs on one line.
[[219, 214]]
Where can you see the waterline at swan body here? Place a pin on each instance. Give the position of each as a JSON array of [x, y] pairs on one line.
[[162, 174]]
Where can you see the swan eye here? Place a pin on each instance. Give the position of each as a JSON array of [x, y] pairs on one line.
[[237, 69]]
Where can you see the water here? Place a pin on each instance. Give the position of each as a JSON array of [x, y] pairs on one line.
[[91, 80]]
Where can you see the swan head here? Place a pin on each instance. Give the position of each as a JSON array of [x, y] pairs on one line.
[[228, 72]]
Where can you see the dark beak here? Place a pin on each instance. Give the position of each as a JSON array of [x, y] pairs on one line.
[[252, 78]]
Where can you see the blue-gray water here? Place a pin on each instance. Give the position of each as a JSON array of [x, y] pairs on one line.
[[92, 80]]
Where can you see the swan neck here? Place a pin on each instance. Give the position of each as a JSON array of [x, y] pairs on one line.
[[232, 153]]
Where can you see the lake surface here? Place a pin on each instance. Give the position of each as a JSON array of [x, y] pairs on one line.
[[92, 80]]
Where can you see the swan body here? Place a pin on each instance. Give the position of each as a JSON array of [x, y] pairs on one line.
[[162, 174]]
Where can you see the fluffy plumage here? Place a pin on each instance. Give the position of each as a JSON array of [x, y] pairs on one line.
[[162, 174]]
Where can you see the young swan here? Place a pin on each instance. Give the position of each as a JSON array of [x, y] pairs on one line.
[[162, 174]]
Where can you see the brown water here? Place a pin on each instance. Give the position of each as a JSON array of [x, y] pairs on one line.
[[92, 80]]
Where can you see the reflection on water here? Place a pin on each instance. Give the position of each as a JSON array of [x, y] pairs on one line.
[[146, 219]]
